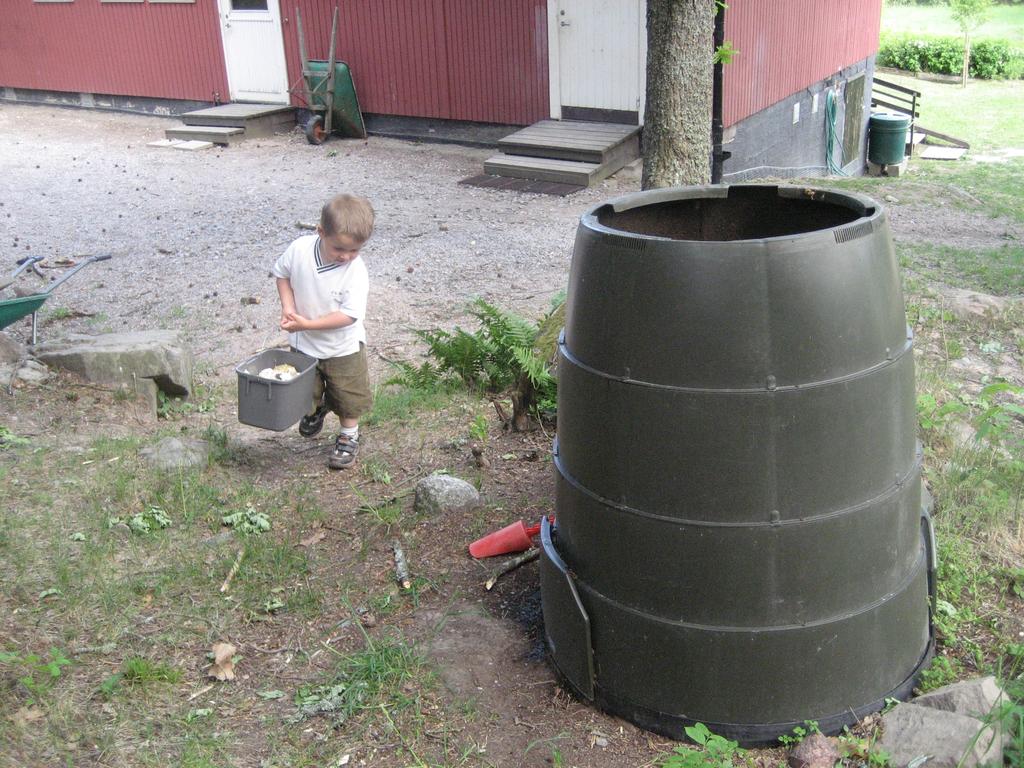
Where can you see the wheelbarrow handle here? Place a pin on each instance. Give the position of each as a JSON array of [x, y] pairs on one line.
[[67, 275], [28, 261]]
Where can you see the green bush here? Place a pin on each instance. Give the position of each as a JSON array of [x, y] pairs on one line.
[[943, 55], [990, 59], [996, 60]]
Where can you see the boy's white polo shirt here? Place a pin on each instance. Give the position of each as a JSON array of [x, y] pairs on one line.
[[322, 287]]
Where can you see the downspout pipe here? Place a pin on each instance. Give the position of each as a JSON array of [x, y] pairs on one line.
[[718, 155]]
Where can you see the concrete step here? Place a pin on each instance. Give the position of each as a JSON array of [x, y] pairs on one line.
[[547, 169], [218, 134], [257, 119]]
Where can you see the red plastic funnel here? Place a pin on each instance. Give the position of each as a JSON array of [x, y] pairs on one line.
[[512, 538]]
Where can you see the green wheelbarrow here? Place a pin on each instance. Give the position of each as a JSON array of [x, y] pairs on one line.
[[330, 93], [13, 310]]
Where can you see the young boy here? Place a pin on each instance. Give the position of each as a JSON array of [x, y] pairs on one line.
[[323, 286]]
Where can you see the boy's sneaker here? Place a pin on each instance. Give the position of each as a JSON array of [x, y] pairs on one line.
[[312, 423], [344, 453]]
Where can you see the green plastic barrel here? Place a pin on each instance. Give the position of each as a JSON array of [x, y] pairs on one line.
[[887, 138]]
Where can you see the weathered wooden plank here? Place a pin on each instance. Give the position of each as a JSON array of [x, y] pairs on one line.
[[572, 133], [542, 169], [561, 135]]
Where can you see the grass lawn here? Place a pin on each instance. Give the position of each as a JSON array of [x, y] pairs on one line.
[[1004, 22], [987, 113]]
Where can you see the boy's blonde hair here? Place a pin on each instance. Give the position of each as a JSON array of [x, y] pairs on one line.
[[348, 215]]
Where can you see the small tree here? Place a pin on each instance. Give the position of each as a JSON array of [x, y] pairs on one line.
[[969, 14]]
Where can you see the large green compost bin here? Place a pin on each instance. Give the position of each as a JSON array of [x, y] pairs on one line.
[[740, 539], [887, 138]]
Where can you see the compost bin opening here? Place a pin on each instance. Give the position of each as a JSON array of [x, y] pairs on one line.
[[748, 213]]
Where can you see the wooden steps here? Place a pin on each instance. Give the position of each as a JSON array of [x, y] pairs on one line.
[[566, 151], [230, 123], [544, 169], [218, 134]]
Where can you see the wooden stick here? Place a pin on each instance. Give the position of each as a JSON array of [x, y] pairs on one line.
[[511, 565], [329, 96], [401, 566], [200, 692], [302, 56], [234, 570]]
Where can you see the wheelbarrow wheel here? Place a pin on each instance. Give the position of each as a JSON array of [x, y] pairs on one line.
[[315, 133]]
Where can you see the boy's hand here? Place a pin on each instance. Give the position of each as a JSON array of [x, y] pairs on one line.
[[292, 321]]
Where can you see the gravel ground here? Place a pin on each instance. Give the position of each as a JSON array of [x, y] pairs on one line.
[[193, 234]]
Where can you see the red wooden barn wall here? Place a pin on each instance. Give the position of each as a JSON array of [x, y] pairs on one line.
[[159, 50], [787, 45], [480, 60]]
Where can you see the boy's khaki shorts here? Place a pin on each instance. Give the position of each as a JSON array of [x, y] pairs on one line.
[[345, 383]]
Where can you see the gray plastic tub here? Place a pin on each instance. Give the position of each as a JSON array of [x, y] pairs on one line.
[[275, 405]]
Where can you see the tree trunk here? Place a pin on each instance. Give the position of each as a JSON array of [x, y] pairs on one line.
[[967, 58], [677, 118]]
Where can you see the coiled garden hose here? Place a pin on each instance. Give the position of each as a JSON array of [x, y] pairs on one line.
[[831, 113]]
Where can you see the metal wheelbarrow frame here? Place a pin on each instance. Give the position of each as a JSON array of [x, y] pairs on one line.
[[13, 310]]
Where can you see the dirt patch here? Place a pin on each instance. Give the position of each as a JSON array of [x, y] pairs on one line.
[[959, 228]]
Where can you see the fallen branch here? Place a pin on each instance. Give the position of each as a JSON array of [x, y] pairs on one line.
[[234, 570], [511, 565], [304, 225], [401, 566], [383, 357]]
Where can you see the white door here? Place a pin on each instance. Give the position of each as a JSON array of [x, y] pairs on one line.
[[597, 55], [254, 50]]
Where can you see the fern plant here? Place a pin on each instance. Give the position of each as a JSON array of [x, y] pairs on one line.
[[501, 355]]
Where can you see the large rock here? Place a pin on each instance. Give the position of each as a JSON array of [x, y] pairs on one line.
[[10, 350], [141, 362], [33, 372], [444, 493], [975, 698], [966, 303], [910, 731]]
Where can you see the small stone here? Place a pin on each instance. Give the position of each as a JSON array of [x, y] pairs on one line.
[[368, 620], [218, 539], [174, 453], [443, 493], [815, 751]]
